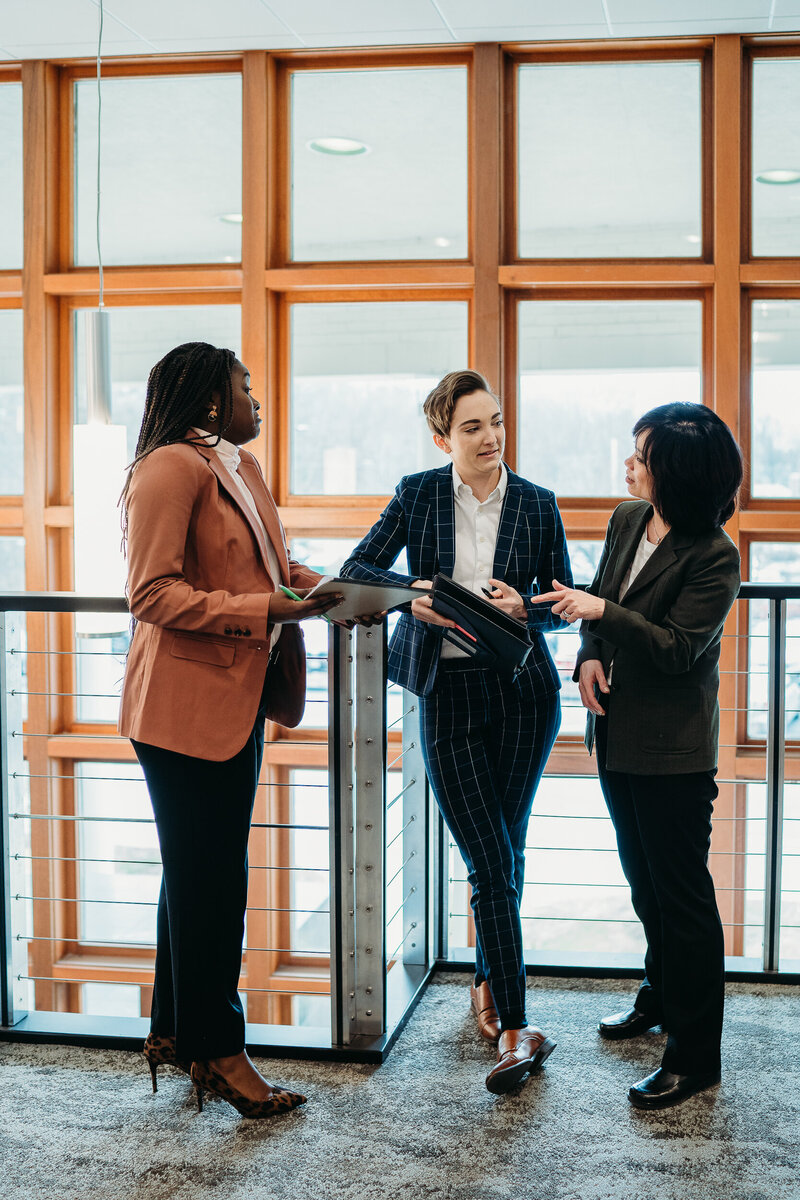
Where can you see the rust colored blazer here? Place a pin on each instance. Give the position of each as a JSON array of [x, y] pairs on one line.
[[199, 588]]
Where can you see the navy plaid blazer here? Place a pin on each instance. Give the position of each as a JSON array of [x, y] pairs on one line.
[[531, 551]]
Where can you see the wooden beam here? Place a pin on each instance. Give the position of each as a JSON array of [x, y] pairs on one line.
[[86, 282], [661, 273], [254, 235], [485, 179], [354, 275]]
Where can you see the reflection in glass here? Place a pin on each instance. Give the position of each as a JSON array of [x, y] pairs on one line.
[[773, 562], [775, 424], [12, 564], [564, 643], [399, 189], [360, 374], [610, 160], [755, 851], [309, 894], [11, 406], [111, 1000], [575, 901], [588, 370], [139, 337], [776, 156], [326, 555], [171, 164], [10, 178], [119, 856]]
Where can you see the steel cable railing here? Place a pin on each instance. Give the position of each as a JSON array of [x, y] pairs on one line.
[[353, 883]]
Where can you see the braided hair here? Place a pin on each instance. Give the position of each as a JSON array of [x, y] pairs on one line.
[[184, 383]]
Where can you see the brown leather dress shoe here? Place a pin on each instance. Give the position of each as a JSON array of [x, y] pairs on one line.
[[484, 1009], [518, 1052]]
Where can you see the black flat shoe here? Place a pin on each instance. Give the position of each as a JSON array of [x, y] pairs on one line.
[[627, 1024], [662, 1089]]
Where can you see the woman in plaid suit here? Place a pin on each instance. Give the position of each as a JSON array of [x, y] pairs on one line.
[[485, 740]]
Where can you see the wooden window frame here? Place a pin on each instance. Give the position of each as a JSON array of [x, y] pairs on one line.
[[267, 283]]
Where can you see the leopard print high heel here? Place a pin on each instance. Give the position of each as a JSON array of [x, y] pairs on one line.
[[161, 1050], [207, 1079]]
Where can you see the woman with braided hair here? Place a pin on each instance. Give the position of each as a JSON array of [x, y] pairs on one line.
[[216, 650]]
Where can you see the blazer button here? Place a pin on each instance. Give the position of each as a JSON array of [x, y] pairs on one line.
[[228, 631]]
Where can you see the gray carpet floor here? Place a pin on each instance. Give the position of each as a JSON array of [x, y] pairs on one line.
[[83, 1124]]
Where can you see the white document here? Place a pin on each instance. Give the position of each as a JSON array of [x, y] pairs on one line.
[[362, 598]]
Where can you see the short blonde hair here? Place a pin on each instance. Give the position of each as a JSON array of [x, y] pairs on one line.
[[441, 402]]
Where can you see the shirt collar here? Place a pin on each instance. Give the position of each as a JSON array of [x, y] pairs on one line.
[[226, 450], [460, 488]]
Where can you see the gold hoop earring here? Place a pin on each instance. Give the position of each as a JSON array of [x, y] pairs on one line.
[[212, 413]]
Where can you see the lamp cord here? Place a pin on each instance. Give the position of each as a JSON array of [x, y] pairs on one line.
[[99, 109]]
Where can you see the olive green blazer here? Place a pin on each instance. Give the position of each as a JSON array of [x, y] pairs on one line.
[[664, 641]]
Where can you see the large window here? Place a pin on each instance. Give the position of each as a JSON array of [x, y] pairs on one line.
[[775, 171], [10, 175], [11, 411], [171, 162], [354, 225], [588, 369], [775, 420], [360, 373], [379, 164], [610, 160]]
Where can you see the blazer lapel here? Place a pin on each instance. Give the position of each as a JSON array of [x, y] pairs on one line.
[[629, 537], [254, 481], [271, 522], [662, 557], [510, 515], [445, 521]]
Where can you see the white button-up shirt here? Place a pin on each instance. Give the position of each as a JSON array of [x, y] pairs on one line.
[[477, 523], [229, 456]]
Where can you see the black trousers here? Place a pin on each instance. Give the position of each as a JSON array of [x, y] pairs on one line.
[[485, 743], [663, 827], [203, 811]]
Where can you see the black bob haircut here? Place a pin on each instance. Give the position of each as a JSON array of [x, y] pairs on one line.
[[695, 464]]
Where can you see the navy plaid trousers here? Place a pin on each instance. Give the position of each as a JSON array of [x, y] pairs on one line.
[[485, 743]]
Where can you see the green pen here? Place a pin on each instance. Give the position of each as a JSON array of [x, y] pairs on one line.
[[294, 596]]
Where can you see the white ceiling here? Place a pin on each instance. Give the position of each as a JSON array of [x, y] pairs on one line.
[[68, 28]]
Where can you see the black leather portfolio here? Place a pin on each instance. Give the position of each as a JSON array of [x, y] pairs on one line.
[[487, 634]]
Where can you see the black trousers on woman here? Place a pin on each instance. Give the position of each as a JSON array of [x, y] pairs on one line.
[[663, 827], [203, 811]]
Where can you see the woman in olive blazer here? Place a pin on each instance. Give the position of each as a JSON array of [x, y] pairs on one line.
[[648, 670]]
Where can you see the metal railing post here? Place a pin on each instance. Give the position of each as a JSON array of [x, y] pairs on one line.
[[341, 804], [11, 764], [776, 739], [370, 831], [416, 840]]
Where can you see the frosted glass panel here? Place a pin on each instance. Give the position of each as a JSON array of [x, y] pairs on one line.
[[397, 187], [360, 375], [776, 157], [610, 160], [775, 423], [588, 370], [139, 338], [11, 406], [10, 176], [171, 170]]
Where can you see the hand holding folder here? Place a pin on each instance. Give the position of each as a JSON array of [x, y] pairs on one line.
[[493, 638]]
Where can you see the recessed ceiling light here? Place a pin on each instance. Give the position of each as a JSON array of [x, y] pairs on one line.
[[231, 218], [779, 175], [442, 241], [347, 147]]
